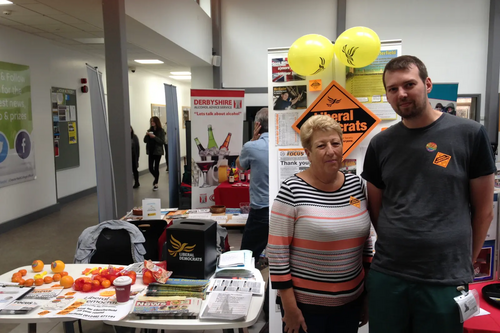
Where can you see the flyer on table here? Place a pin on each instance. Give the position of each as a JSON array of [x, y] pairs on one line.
[[17, 160], [216, 139]]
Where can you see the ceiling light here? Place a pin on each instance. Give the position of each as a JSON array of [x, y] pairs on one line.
[[5, 2], [149, 61], [180, 73], [90, 40], [180, 77]]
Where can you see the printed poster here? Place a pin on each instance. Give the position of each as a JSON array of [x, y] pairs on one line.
[[367, 86], [285, 134], [17, 158], [217, 139], [291, 161], [289, 97], [281, 71], [72, 132]]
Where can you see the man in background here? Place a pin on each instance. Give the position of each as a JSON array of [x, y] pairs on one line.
[[430, 188], [255, 156]]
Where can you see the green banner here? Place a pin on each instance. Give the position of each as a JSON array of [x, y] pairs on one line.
[[17, 163]]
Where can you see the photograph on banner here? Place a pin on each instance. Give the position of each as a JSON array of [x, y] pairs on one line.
[[282, 72], [291, 161], [348, 166], [367, 86], [289, 97], [17, 158], [217, 138], [443, 97], [285, 134]]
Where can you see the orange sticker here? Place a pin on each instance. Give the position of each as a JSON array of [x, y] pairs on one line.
[[354, 202], [107, 293], [43, 313], [442, 160], [315, 85]]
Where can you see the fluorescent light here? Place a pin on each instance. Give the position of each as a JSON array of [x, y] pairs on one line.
[[180, 73], [5, 2], [180, 77], [90, 40], [149, 61]]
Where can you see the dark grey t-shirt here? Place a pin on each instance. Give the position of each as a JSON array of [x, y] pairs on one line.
[[424, 227]]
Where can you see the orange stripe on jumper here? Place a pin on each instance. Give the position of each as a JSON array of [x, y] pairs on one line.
[[281, 214], [328, 246], [331, 218], [328, 286]]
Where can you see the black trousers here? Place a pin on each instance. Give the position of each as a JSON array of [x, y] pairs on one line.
[[154, 166], [256, 232]]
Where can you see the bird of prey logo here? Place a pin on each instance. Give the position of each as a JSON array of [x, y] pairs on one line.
[[332, 101], [349, 54], [321, 66], [179, 247]]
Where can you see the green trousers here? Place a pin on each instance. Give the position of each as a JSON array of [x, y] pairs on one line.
[[401, 306]]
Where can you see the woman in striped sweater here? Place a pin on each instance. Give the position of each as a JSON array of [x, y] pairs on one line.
[[319, 245]]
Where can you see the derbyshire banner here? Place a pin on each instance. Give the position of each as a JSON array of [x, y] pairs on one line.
[[17, 160]]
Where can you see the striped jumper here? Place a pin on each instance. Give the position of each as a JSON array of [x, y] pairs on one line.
[[319, 242]]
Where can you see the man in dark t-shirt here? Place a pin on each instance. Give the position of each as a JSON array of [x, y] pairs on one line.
[[284, 101], [430, 189]]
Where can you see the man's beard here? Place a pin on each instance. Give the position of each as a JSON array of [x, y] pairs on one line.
[[413, 110]]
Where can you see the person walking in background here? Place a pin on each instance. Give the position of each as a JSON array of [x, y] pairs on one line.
[[136, 150], [430, 184], [155, 139], [319, 246]]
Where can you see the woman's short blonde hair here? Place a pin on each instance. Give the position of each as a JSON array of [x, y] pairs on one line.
[[318, 123]]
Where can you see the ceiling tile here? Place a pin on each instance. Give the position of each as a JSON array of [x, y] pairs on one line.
[[55, 27], [47, 35], [67, 19], [87, 27], [26, 28], [42, 9], [4, 21], [67, 41], [37, 19], [73, 34]]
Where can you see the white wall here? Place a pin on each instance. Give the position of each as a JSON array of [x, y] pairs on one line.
[[49, 66], [146, 88], [249, 28], [183, 22], [449, 36]]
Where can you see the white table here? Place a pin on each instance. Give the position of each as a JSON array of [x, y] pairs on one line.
[[75, 271]]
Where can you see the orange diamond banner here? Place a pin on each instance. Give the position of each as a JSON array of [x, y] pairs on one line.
[[356, 120]]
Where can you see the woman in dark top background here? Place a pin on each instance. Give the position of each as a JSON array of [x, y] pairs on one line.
[[136, 150], [155, 139]]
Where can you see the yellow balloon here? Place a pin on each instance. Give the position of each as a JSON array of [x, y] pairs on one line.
[[357, 47], [310, 54]]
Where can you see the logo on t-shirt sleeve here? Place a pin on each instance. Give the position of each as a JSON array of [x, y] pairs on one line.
[[442, 159]]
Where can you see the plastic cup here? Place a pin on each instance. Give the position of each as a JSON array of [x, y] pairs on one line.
[[245, 207], [122, 287]]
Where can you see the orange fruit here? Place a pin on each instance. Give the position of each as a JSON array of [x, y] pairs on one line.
[[37, 266], [23, 272], [87, 287], [105, 283], [56, 277], [17, 275], [16, 278], [63, 273], [38, 282], [21, 282], [66, 281], [96, 284], [57, 266], [29, 282], [47, 279]]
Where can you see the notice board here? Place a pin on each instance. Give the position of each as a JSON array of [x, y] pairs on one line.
[[65, 128]]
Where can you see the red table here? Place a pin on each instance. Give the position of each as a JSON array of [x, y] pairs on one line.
[[483, 324], [230, 195]]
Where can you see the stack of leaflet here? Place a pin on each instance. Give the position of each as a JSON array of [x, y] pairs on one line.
[[178, 287], [235, 264]]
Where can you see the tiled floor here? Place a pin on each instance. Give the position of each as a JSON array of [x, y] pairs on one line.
[[55, 236]]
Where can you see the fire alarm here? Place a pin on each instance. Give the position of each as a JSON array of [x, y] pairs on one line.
[[85, 89], [83, 81]]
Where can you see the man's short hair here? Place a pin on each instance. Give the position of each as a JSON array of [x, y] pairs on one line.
[[262, 117], [404, 63], [318, 123]]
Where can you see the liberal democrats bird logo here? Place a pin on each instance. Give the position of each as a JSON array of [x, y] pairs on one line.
[[179, 247], [349, 54], [332, 101], [321, 66]]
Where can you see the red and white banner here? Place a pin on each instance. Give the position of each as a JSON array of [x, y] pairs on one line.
[[217, 138]]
